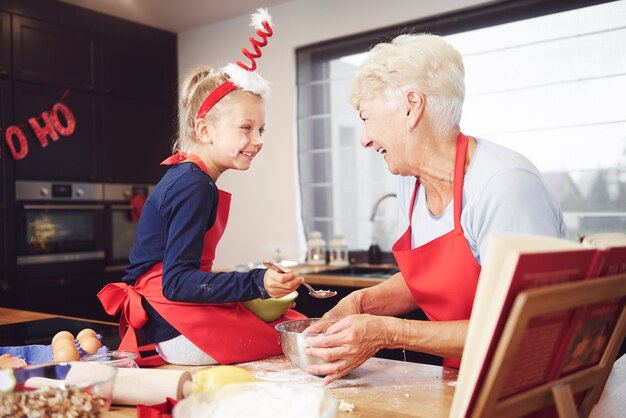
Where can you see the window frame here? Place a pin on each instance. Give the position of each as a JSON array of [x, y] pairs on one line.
[[462, 20]]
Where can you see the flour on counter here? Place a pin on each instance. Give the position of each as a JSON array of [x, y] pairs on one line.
[[346, 406]]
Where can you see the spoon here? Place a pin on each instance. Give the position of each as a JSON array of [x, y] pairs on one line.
[[320, 294]]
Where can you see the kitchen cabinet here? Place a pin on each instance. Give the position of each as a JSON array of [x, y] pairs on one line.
[[5, 45], [3, 246], [140, 65], [70, 158], [137, 136], [52, 54], [72, 297], [6, 161]]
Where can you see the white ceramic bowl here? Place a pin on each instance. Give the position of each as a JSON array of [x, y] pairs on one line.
[[292, 342], [75, 388], [259, 400]]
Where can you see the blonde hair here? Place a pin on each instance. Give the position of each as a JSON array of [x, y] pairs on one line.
[[423, 62], [196, 87]]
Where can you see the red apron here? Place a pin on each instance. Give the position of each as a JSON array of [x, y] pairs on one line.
[[442, 274], [227, 332]]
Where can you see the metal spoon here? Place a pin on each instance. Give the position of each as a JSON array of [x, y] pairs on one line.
[[320, 294]]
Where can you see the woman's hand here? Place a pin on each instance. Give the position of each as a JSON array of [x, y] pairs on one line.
[[349, 305], [280, 284], [347, 344]]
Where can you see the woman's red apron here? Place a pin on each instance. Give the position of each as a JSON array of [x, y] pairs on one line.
[[442, 274], [227, 332]]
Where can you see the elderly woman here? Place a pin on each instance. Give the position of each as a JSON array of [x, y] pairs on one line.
[[455, 192]]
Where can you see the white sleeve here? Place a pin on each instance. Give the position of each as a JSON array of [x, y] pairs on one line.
[[516, 201]]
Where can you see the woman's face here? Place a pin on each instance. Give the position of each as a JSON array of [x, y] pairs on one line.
[[385, 132], [237, 134]]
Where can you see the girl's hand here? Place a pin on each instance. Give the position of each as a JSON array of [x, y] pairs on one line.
[[280, 284], [347, 344]]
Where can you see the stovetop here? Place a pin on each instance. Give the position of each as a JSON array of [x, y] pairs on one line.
[[41, 331]]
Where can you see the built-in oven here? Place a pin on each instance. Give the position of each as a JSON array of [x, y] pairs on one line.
[[60, 229], [123, 204]]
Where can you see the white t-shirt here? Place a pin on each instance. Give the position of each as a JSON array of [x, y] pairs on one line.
[[503, 192]]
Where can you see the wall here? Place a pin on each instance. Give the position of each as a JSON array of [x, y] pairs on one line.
[[265, 212]]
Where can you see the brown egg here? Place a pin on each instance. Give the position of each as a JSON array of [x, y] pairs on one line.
[[63, 343], [84, 333], [90, 345], [65, 335], [66, 353]]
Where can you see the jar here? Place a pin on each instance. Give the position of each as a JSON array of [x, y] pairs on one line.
[[119, 358], [316, 253], [338, 251]]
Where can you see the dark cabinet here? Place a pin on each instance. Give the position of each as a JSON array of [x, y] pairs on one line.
[[5, 45], [70, 158], [52, 54], [3, 247], [141, 65], [6, 176], [137, 136]]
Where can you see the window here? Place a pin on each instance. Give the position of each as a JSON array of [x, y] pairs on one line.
[[547, 83]]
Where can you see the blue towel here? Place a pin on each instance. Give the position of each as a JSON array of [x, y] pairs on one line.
[[37, 353]]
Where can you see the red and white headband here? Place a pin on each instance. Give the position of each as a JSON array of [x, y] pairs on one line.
[[241, 75]]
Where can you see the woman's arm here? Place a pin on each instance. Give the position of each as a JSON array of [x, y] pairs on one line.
[[391, 297], [354, 339]]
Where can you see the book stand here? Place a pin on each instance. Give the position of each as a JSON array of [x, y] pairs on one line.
[[589, 381]]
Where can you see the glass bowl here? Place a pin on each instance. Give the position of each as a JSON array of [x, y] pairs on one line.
[[119, 358], [60, 389], [259, 400], [292, 342]]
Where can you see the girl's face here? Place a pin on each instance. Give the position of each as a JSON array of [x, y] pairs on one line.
[[236, 136]]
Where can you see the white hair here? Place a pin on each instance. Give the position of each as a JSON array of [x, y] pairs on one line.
[[424, 62]]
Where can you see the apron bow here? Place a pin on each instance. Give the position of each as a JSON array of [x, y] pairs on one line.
[[116, 297]]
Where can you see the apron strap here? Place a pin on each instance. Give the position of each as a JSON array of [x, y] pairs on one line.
[[459, 173]]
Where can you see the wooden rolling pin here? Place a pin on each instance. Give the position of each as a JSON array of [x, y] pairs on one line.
[[150, 386], [132, 386]]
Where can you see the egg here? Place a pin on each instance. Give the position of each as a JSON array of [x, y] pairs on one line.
[[65, 353], [63, 343], [85, 333], [65, 335], [90, 344]]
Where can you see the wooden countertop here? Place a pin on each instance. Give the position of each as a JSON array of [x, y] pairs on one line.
[[321, 279], [380, 387]]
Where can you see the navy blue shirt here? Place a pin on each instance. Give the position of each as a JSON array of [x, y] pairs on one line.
[[174, 220]]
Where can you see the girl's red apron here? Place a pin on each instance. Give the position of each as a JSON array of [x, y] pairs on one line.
[[227, 332], [442, 274]]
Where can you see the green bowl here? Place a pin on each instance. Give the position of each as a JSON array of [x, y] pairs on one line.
[[271, 309]]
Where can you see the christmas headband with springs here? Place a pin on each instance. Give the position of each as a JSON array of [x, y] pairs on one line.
[[241, 75]]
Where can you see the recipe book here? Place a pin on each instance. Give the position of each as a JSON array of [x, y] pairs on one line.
[[554, 344]]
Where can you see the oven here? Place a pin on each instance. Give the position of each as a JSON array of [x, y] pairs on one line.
[[60, 230], [120, 201]]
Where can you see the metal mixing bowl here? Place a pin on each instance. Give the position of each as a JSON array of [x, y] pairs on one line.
[[292, 342]]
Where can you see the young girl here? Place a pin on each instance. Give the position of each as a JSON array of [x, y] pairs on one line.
[[169, 291]]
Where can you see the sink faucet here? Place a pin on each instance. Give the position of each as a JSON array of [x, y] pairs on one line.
[[377, 203]]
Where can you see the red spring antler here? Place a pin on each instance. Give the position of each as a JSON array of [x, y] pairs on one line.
[[257, 45]]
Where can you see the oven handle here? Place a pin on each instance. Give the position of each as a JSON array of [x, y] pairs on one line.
[[63, 207], [56, 258], [121, 207]]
